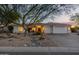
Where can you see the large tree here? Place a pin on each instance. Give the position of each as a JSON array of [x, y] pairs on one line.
[[8, 15], [32, 13], [37, 13]]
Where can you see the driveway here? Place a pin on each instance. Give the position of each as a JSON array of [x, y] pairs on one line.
[[65, 40]]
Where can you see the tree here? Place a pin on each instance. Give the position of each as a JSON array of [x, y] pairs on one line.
[[32, 13], [38, 13], [8, 15], [75, 18]]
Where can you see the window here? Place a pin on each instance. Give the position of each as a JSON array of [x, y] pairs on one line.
[[20, 29]]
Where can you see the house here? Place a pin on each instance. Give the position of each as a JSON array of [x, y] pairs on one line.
[[50, 28], [57, 28]]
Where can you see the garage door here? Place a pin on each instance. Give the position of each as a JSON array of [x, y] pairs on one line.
[[60, 29]]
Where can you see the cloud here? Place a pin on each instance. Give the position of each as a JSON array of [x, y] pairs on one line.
[[65, 17]]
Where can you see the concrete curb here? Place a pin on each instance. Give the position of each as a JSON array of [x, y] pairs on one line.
[[38, 49]]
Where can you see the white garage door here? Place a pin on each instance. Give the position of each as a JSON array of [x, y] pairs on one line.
[[60, 29]]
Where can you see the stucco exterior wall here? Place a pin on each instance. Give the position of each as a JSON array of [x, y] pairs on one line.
[[56, 29], [48, 29], [15, 29]]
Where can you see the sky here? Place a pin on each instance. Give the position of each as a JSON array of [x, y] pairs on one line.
[[64, 17]]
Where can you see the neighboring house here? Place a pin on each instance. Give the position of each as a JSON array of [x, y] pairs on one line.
[[54, 28]]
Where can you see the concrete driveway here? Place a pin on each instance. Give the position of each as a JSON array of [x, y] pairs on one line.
[[65, 40]]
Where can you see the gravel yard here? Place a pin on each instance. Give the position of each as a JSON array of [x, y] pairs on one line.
[[19, 40]]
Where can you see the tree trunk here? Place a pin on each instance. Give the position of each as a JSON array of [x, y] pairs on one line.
[[25, 30]]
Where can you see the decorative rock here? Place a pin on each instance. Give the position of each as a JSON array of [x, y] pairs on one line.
[[25, 45]]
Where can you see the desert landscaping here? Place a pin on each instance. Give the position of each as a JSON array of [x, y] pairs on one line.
[[19, 40]]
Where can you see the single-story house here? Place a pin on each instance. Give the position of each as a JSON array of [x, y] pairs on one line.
[[54, 28], [57, 28]]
